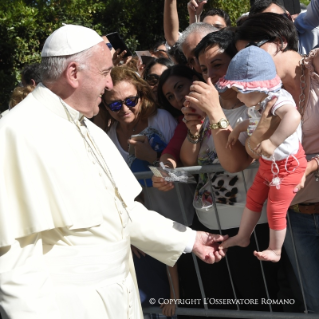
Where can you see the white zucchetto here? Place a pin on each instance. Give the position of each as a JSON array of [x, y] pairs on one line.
[[70, 39]]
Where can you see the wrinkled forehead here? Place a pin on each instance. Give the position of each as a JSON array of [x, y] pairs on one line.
[[191, 42]]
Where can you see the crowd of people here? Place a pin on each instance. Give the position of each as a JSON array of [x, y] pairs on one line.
[[79, 234]]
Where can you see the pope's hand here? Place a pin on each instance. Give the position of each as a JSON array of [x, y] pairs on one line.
[[206, 247]]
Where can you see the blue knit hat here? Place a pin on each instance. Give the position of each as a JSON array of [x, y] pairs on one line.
[[251, 69]]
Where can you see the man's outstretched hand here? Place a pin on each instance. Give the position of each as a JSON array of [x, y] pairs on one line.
[[206, 247]]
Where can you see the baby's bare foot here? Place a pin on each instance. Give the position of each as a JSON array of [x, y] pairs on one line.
[[268, 255], [235, 241]]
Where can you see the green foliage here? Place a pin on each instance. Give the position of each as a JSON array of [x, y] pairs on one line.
[[306, 2], [234, 8], [25, 24]]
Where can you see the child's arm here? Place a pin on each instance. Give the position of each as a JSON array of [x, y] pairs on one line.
[[290, 119], [169, 309], [234, 134]]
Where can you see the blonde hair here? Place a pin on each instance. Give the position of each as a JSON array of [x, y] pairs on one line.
[[148, 104], [18, 94]]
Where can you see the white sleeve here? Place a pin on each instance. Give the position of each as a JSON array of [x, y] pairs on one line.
[[165, 123], [159, 237], [284, 98], [25, 288]]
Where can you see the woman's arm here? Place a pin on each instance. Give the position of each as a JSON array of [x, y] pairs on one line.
[[315, 60], [191, 146], [205, 97], [171, 22]]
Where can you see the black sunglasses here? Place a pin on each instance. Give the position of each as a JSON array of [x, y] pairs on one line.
[[257, 44], [130, 101], [152, 79]]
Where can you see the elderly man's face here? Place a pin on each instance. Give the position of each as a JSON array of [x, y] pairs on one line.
[[188, 49], [94, 79]]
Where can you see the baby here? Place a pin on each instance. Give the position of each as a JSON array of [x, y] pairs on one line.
[[252, 74]]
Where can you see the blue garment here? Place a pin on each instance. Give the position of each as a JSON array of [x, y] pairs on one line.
[[155, 140], [152, 280], [305, 229], [307, 26]]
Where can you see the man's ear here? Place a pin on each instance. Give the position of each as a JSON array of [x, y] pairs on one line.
[[72, 74]]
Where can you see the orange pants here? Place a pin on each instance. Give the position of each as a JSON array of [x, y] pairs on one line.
[[278, 199]]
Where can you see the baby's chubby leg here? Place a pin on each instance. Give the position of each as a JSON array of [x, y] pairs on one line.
[[247, 225], [273, 252]]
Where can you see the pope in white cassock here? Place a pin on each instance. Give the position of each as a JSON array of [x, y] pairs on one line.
[[67, 209]]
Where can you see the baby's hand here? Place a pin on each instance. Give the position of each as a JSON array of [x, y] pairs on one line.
[[232, 139], [266, 148]]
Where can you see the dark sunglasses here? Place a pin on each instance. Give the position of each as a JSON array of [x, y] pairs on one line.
[[109, 45], [152, 79], [257, 44], [130, 101]]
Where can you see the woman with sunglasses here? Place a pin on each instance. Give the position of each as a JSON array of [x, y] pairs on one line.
[[300, 77], [153, 71], [141, 132]]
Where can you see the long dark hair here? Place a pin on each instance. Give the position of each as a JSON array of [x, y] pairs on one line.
[[268, 26], [163, 61], [176, 70]]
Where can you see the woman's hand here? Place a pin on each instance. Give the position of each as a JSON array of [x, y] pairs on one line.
[[161, 184], [205, 97], [266, 126], [195, 9], [266, 148], [311, 167], [118, 57], [192, 120], [143, 150]]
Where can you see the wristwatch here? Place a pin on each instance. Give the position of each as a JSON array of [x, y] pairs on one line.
[[223, 123]]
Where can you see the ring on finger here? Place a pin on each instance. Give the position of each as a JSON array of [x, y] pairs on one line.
[[184, 120]]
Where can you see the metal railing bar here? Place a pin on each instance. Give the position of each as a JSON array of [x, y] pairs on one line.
[[220, 231], [222, 313], [193, 170], [199, 277], [257, 245], [297, 263]]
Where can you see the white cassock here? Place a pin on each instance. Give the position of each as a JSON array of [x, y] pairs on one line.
[[64, 234]]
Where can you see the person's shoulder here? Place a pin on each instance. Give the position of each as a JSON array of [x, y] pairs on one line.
[[21, 115], [285, 95], [162, 116]]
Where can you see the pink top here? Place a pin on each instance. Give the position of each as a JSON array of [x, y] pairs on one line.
[[174, 146], [310, 132]]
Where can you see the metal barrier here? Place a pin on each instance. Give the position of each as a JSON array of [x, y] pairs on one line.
[[221, 313]]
